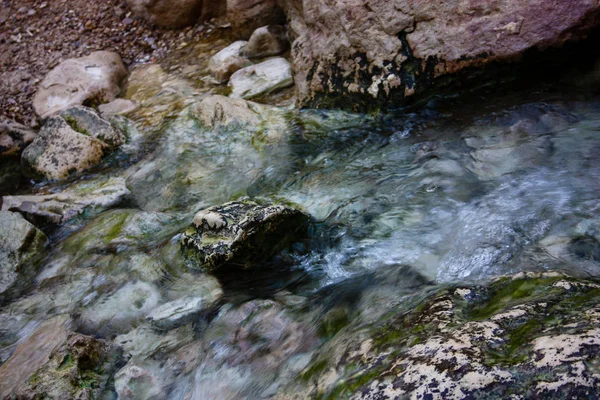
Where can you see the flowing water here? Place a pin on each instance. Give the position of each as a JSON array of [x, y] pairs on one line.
[[463, 189]]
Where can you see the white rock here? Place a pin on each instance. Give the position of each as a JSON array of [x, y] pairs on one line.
[[96, 78], [177, 313], [262, 78], [227, 61]]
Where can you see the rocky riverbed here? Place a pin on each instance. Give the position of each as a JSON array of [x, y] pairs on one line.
[[179, 227]]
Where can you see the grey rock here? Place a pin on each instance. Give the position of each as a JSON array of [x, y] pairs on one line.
[[20, 243], [14, 137], [85, 120], [241, 234], [261, 79], [227, 61], [178, 312], [58, 208], [93, 79], [270, 40]]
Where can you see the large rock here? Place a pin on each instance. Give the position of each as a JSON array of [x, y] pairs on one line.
[[241, 234], [14, 137], [20, 242], [260, 79], [270, 40], [223, 64], [79, 369], [90, 80], [354, 54], [530, 335], [71, 143], [247, 15]]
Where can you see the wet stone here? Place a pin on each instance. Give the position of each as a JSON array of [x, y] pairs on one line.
[[241, 234]]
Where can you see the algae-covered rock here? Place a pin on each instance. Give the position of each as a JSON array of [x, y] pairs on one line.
[[85, 120], [79, 369], [241, 234], [529, 335], [20, 243]]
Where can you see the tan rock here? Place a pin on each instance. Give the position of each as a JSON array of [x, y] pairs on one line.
[[247, 15], [270, 40], [93, 79], [227, 61], [59, 150], [168, 13], [14, 137]]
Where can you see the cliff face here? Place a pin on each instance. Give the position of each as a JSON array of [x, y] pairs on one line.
[[378, 51]]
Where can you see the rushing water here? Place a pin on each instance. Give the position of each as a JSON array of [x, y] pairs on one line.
[[461, 190]]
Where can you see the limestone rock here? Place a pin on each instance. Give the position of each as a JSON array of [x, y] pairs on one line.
[[241, 234], [14, 137], [227, 61], [247, 15], [352, 55], [73, 142], [215, 111], [60, 207], [20, 242], [261, 79], [85, 120], [91, 80], [270, 40], [535, 334]]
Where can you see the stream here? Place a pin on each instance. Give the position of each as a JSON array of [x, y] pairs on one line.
[[463, 190]]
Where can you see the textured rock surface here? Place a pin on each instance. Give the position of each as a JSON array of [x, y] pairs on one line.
[[178, 312], [260, 79], [228, 60], [14, 137], [78, 369], [32, 353], [270, 40], [354, 54], [90, 80], [532, 335], [241, 234], [71, 143], [118, 107], [61, 207], [20, 242], [247, 15]]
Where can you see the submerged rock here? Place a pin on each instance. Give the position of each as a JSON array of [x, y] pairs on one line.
[[14, 137], [270, 40], [260, 79], [20, 243], [58, 208], [227, 61], [73, 142], [180, 312], [91, 80], [535, 335], [241, 234]]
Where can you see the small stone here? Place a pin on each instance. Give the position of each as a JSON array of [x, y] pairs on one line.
[[266, 41]]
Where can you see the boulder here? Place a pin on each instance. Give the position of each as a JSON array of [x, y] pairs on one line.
[[56, 209], [168, 13], [73, 142], [90, 80], [241, 234], [223, 64], [79, 369], [261, 79], [361, 56], [32, 353], [270, 40], [14, 137], [532, 334], [20, 242], [247, 15], [178, 312]]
